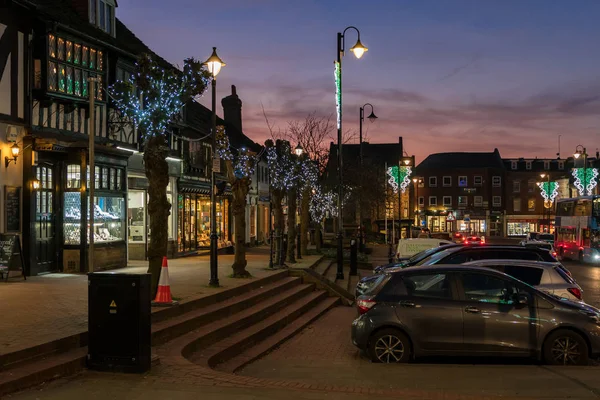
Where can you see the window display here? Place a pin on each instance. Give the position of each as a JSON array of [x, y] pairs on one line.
[[108, 218], [193, 222], [136, 216]]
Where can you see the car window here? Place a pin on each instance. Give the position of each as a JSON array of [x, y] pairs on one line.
[[530, 275], [392, 290], [368, 285], [563, 274], [435, 258], [519, 255], [487, 288], [428, 285]]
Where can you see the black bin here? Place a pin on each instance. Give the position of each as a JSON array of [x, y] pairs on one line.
[[119, 322]]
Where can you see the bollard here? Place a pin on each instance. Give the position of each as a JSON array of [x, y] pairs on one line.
[[299, 243], [391, 253], [284, 247], [271, 249], [353, 258]]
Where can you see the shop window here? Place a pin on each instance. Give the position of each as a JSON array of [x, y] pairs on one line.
[[447, 181], [52, 46], [432, 200], [136, 216], [497, 201], [478, 201], [73, 176], [516, 186], [60, 53], [463, 181], [61, 78], [77, 82], [463, 201], [478, 180], [516, 204], [447, 201], [432, 181], [77, 54], [109, 218], [531, 204], [69, 80], [496, 181], [52, 76]]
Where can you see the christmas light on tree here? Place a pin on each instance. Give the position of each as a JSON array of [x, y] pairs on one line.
[[585, 180], [399, 177], [337, 74], [549, 190]]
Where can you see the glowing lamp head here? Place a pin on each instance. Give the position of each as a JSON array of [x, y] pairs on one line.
[[577, 154], [542, 176], [15, 150], [358, 49], [35, 184], [214, 63], [299, 150], [406, 162], [415, 180], [372, 117]]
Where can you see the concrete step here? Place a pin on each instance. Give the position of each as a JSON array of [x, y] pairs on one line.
[[229, 347], [252, 354], [175, 327], [44, 369], [199, 339], [322, 266]]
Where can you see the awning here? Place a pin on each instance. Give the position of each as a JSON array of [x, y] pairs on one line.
[[189, 186]]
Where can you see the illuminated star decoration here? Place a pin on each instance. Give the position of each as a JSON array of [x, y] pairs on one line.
[[585, 180], [338, 91], [399, 176], [549, 190]]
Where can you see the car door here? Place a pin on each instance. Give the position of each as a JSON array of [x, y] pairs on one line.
[[427, 305], [494, 322]]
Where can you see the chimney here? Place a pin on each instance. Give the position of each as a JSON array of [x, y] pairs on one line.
[[232, 109]]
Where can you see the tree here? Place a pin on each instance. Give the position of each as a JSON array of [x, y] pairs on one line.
[[240, 168], [312, 134], [322, 203], [153, 107], [309, 181]]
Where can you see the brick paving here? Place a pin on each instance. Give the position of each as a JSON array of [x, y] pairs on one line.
[[50, 307]]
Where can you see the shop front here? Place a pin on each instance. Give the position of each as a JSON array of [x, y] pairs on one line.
[[520, 225], [263, 218]]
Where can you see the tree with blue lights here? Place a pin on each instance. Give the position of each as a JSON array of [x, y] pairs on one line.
[[153, 99]]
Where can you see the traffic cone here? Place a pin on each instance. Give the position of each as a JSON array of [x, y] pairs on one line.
[[163, 295]]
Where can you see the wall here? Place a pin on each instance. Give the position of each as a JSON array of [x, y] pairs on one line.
[[11, 176]]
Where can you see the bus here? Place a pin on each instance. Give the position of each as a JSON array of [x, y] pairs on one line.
[[577, 228]]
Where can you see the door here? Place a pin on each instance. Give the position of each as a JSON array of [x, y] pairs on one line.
[[494, 322], [45, 222], [426, 302]]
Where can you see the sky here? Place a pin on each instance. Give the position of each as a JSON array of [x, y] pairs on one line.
[[445, 75]]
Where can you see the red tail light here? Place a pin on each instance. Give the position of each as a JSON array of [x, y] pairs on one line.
[[364, 305], [483, 240], [575, 292], [554, 254], [467, 242]]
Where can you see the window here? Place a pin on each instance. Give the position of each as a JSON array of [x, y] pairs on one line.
[[432, 181], [428, 285], [527, 164], [463, 201], [516, 186], [529, 275], [561, 165], [447, 181], [513, 165], [531, 204], [487, 289], [447, 200], [421, 201], [93, 8], [546, 164], [531, 186], [496, 181], [478, 200], [462, 181], [432, 200], [497, 201], [516, 204], [478, 180], [102, 14]]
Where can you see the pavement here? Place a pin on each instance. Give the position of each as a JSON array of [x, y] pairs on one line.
[[53, 306]]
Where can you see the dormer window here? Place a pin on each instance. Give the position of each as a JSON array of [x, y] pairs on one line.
[[102, 15]]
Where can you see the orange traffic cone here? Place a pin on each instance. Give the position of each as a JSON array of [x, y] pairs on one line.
[[163, 295]]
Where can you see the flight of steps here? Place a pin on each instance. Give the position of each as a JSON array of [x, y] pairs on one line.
[[226, 330], [328, 269]]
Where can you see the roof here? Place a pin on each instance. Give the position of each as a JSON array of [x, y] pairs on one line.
[[462, 160], [540, 264]]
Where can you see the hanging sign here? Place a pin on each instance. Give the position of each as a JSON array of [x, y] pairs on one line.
[[216, 166]]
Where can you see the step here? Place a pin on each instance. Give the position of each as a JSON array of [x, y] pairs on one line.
[[167, 330], [42, 370], [254, 353], [231, 346], [322, 266], [207, 335]]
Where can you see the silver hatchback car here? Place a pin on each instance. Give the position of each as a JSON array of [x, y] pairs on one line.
[[549, 277]]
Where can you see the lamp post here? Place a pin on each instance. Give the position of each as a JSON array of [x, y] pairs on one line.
[[372, 117], [299, 151], [358, 49], [214, 65], [547, 176], [581, 151], [406, 163], [417, 181]]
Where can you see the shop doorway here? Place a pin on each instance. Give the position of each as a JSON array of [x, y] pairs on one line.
[[45, 220]]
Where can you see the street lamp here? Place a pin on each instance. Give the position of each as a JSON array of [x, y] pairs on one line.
[[358, 49], [547, 204], [417, 181], [299, 150], [406, 163], [372, 117], [214, 65], [581, 151]]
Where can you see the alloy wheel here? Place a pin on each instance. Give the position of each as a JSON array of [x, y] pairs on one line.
[[566, 351], [389, 349]]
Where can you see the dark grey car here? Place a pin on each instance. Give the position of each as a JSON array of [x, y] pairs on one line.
[[462, 310]]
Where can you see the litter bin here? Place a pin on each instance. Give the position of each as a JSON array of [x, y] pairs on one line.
[[119, 322]]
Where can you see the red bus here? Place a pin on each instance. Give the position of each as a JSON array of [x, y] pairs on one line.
[[577, 236]]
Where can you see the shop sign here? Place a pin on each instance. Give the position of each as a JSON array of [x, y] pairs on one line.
[[48, 145], [469, 190], [216, 166]]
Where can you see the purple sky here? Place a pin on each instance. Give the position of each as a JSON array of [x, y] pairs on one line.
[[447, 75]]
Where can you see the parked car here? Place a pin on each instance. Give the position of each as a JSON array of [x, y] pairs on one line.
[[469, 310], [474, 240], [463, 254], [550, 277], [459, 237], [538, 237], [414, 259], [409, 247]]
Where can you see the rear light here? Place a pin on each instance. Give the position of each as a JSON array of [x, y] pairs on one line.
[[575, 292], [554, 254], [364, 305], [466, 242], [483, 240]]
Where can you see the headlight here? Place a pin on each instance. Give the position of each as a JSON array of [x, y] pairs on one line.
[[596, 256]]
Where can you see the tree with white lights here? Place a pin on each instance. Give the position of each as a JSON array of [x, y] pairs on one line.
[[160, 95]]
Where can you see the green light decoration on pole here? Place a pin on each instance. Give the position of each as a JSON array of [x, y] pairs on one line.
[[337, 73], [549, 191], [399, 176], [585, 180]]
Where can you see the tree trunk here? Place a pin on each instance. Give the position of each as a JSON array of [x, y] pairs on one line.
[[277, 223], [240, 189], [157, 172], [305, 219], [292, 208], [318, 237]]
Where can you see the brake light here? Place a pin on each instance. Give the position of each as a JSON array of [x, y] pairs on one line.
[[554, 254], [466, 242], [575, 292], [364, 305], [483, 240]]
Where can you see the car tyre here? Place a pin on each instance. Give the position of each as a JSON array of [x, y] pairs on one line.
[[390, 346], [565, 347]]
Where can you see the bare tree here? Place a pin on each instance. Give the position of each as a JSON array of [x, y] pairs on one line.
[[312, 134]]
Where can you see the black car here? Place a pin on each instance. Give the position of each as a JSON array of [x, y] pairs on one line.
[[415, 258]]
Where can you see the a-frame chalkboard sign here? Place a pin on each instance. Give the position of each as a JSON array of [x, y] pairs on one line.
[[11, 257]]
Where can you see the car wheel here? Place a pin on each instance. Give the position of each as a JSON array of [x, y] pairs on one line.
[[389, 346], [564, 347]]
